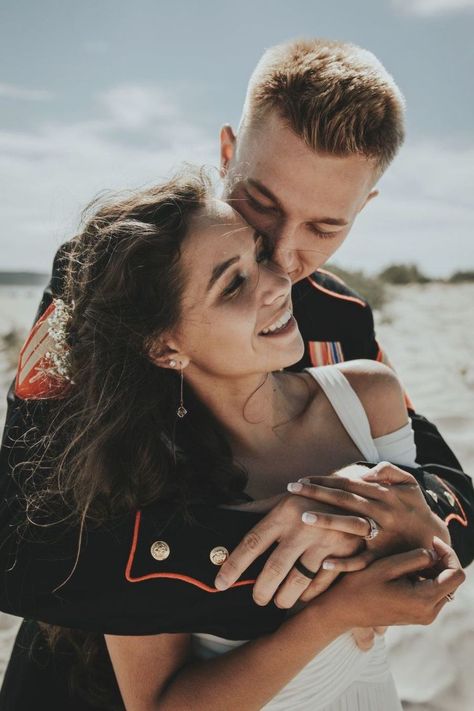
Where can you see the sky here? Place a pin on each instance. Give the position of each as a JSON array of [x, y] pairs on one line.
[[100, 95]]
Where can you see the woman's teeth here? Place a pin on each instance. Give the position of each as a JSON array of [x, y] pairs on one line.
[[277, 325]]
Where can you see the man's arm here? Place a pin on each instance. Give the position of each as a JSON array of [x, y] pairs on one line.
[[337, 324]]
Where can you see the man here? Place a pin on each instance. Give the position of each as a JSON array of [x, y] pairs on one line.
[[321, 122]]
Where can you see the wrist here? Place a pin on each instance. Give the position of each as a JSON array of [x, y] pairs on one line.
[[333, 609]]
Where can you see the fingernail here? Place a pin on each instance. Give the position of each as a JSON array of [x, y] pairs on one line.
[[220, 583], [309, 517], [327, 565], [304, 480], [294, 486]]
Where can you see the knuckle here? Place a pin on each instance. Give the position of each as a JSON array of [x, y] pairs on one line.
[[230, 565], [290, 505], [342, 496], [383, 467], [251, 540], [299, 581], [389, 519], [274, 568]]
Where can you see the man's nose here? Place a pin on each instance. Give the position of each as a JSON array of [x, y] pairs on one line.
[[284, 254]]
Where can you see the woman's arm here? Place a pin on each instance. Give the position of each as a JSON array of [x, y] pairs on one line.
[[158, 674]]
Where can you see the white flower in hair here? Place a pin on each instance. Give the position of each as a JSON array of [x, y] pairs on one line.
[[58, 355]]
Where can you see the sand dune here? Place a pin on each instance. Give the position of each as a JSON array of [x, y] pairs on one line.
[[428, 332]]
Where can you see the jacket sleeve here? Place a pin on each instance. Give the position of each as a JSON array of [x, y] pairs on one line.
[[115, 578], [144, 573], [330, 314], [447, 488]]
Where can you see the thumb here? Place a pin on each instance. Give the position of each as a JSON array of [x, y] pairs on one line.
[[387, 473], [395, 566]]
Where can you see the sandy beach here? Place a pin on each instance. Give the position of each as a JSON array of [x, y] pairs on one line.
[[428, 333]]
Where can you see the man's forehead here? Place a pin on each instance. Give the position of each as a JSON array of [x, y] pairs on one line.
[[331, 185]]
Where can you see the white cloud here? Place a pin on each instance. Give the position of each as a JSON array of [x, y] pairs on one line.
[[11, 91], [424, 213], [49, 174], [427, 8], [136, 107]]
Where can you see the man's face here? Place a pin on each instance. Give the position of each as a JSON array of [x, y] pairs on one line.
[[305, 202]]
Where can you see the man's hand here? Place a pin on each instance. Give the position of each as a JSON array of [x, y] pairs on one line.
[[283, 525], [386, 494]]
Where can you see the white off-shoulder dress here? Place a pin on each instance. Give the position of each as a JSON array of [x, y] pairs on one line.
[[341, 677]]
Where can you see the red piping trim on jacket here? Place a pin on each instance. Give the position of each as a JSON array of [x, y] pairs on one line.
[[454, 516], [354, 299], [174, 576]]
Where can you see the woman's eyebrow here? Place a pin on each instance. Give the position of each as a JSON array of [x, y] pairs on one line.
[[219, 270]]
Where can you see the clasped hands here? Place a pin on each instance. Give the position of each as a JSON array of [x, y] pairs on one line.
[[323, 522]]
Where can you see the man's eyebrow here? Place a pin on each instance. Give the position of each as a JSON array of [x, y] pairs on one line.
[[317, 220], [219, 270]]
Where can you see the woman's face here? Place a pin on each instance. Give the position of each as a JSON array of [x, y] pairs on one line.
[[235, 314]]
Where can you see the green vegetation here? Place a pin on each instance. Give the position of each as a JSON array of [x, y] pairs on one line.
[[460, 277], [23, 279], [10, 344], [374, 288], [370, 288], [403, 274]]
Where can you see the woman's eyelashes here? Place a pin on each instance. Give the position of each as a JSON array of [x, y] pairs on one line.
[[262, 255], [234, 286]]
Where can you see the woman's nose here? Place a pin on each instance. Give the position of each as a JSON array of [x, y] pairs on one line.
[[275, 282]]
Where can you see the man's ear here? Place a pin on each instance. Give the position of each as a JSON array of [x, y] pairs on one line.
[[227, 149], [373, 194]]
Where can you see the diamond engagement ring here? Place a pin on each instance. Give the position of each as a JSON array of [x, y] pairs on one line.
[[374, 529]]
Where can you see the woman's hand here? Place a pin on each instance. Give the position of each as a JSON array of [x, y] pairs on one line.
[[388, 495], [283, 525], [392, 590]]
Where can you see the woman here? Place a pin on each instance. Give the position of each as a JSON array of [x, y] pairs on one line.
[[178, 331]]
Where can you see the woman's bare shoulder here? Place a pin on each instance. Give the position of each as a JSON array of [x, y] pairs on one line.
[[380, 392]]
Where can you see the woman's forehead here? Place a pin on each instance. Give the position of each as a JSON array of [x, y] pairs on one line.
[[216, 232]]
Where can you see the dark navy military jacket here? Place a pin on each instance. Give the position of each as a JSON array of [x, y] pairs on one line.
[[150, 571]]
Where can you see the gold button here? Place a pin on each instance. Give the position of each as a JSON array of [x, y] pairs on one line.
[[433, 495], [219, 555], [160, 550], [449, 498]]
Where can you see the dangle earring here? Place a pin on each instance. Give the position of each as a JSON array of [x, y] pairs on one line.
[[181, 411]]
